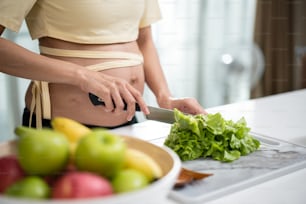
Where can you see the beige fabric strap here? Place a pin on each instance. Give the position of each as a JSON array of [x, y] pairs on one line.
[[40, 91], [96, 54], [40, 102], [35, 103], [113, 64]]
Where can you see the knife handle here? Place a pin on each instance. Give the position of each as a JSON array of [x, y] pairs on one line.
[[95, 100]]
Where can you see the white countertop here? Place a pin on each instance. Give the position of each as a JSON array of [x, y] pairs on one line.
[[281, 116]]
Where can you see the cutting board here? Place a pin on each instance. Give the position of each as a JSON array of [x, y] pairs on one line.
[[275, 158]]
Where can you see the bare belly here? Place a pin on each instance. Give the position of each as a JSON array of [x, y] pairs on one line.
[[70, 101]]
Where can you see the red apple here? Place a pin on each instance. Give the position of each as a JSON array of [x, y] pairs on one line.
[[81, 185], [10, 171]]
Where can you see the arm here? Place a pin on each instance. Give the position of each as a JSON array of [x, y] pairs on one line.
[[20, 62], [153, 72], [156, 80]]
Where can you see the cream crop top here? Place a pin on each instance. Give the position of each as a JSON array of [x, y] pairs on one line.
[[81, 21]]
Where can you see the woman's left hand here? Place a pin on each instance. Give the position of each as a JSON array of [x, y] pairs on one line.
[[186, 105]]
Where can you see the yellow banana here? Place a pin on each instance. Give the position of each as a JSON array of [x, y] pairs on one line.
[[142, 162], [71, 128]]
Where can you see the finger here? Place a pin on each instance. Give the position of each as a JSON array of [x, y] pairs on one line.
[[139, 99], [118, 101], [193, 107], [130, 110], [130, 104], [109, 105], [198, 109], [203, 111], [107, 99]]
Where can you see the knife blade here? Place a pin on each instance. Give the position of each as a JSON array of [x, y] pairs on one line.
[[161, 114], [158, 114]]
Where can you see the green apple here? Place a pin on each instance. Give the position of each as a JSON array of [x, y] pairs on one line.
[[30, 187], [100, 152], [42, 151], [129, 180]]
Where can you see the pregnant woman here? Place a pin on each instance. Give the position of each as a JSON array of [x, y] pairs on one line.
[[101, 47]]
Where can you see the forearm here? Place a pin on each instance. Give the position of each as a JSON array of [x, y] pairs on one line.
[[154, 74], [20, 62]]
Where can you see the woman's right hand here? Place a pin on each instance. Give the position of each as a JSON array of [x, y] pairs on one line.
[[115, 92]]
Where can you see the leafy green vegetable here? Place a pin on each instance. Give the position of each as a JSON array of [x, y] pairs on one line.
[[195, 136]]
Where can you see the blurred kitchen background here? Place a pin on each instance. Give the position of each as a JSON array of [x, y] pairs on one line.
[[218, 51]]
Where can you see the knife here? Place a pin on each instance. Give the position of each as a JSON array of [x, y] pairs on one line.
[[158, 114], [161, 114]]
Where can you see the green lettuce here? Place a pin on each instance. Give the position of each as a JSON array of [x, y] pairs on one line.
[[196, 136]]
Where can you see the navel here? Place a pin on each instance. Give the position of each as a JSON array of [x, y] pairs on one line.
[[133, 80]]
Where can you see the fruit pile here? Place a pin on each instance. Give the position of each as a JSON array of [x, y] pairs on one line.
[[73, 161]]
